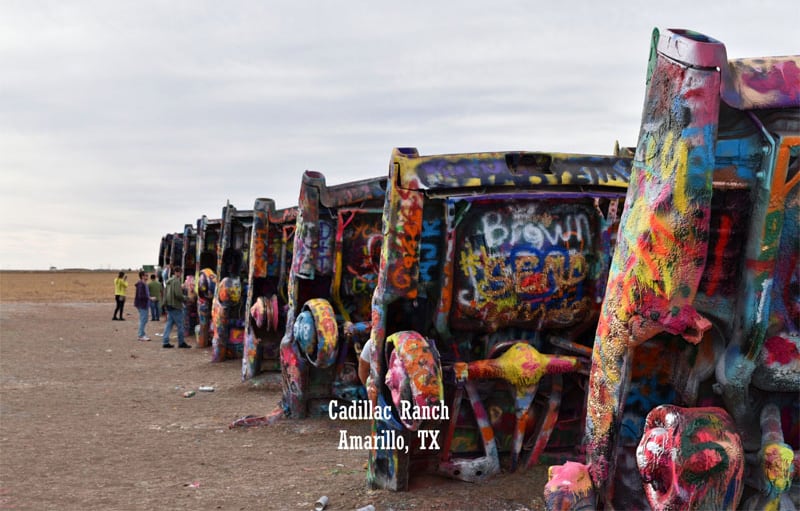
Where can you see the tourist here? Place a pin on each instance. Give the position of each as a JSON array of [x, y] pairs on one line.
[[120, 290], [173, 302], [162, 311], [142, 303], [156, 290]]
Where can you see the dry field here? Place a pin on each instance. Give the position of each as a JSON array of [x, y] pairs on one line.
[[62, 286], [92, 419]]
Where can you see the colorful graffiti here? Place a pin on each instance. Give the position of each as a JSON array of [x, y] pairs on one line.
[[516, 169], [526, 263], [227, 297], [691, 458], [259, 247], [358, 245], [660, 253], [326, 242], [479, 270], [522, 366], [228, 311], [264, 312], [776, 464], [189, 265], [485, 280], [690, 313], [773, 242], [330, 286], [414, 375], [401, 247], [208, 234], [429, 249], [316, 332], [569, 487], [206, 287]]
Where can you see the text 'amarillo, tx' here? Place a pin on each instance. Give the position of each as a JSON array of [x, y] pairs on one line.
[[387, 440]]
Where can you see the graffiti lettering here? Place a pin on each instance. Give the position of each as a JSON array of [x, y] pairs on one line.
[[620, 172], [429, 248], [407, 240], [362, 284], [326, 246], [534, 229], [404, 236], [523, 284], [523, 261]]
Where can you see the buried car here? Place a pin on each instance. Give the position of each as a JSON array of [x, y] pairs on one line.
[[331, 281], [228, 314], [696, 359], [490, 285], [208, 235], [267, 293]]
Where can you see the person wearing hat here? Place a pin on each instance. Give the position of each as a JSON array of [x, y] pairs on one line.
[[173, 302]]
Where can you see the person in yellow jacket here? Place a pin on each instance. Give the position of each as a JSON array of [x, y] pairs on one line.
[[120, 290]]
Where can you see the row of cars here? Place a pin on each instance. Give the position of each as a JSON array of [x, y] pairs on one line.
[[631, 319]]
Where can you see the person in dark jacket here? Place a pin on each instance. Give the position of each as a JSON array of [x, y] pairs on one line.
[[142, 303]]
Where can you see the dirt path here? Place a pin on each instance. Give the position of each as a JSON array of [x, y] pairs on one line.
[[92, 419]]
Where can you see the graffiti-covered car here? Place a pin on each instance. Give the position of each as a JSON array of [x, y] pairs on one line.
[[228, 314], [188, 262], [170, 252], [267, 289], [208, 236], [331, 281], [178, 250], [163, 251], [695, 377], [492, 273]]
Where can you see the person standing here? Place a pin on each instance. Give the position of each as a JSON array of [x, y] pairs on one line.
[[156, 290], [142, 303], [162, 311], [173, 302], [120, 290]]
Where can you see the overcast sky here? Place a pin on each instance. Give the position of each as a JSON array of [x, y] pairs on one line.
[[122, 121]]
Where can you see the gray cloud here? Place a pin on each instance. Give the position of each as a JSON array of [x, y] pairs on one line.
[[120, 122]]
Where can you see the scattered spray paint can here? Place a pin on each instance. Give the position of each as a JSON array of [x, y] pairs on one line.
[[321, 503]]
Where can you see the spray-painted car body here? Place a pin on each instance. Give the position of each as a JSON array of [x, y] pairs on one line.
[[179, 249], [701, 307], [171, 253], [166, 240], [228, 313], [209, 235], [489, 261], [189, 260], [331, 281], [170, 250], [267, 289], [189, 264]]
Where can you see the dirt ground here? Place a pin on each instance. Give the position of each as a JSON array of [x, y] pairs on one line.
[[92, 419]]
